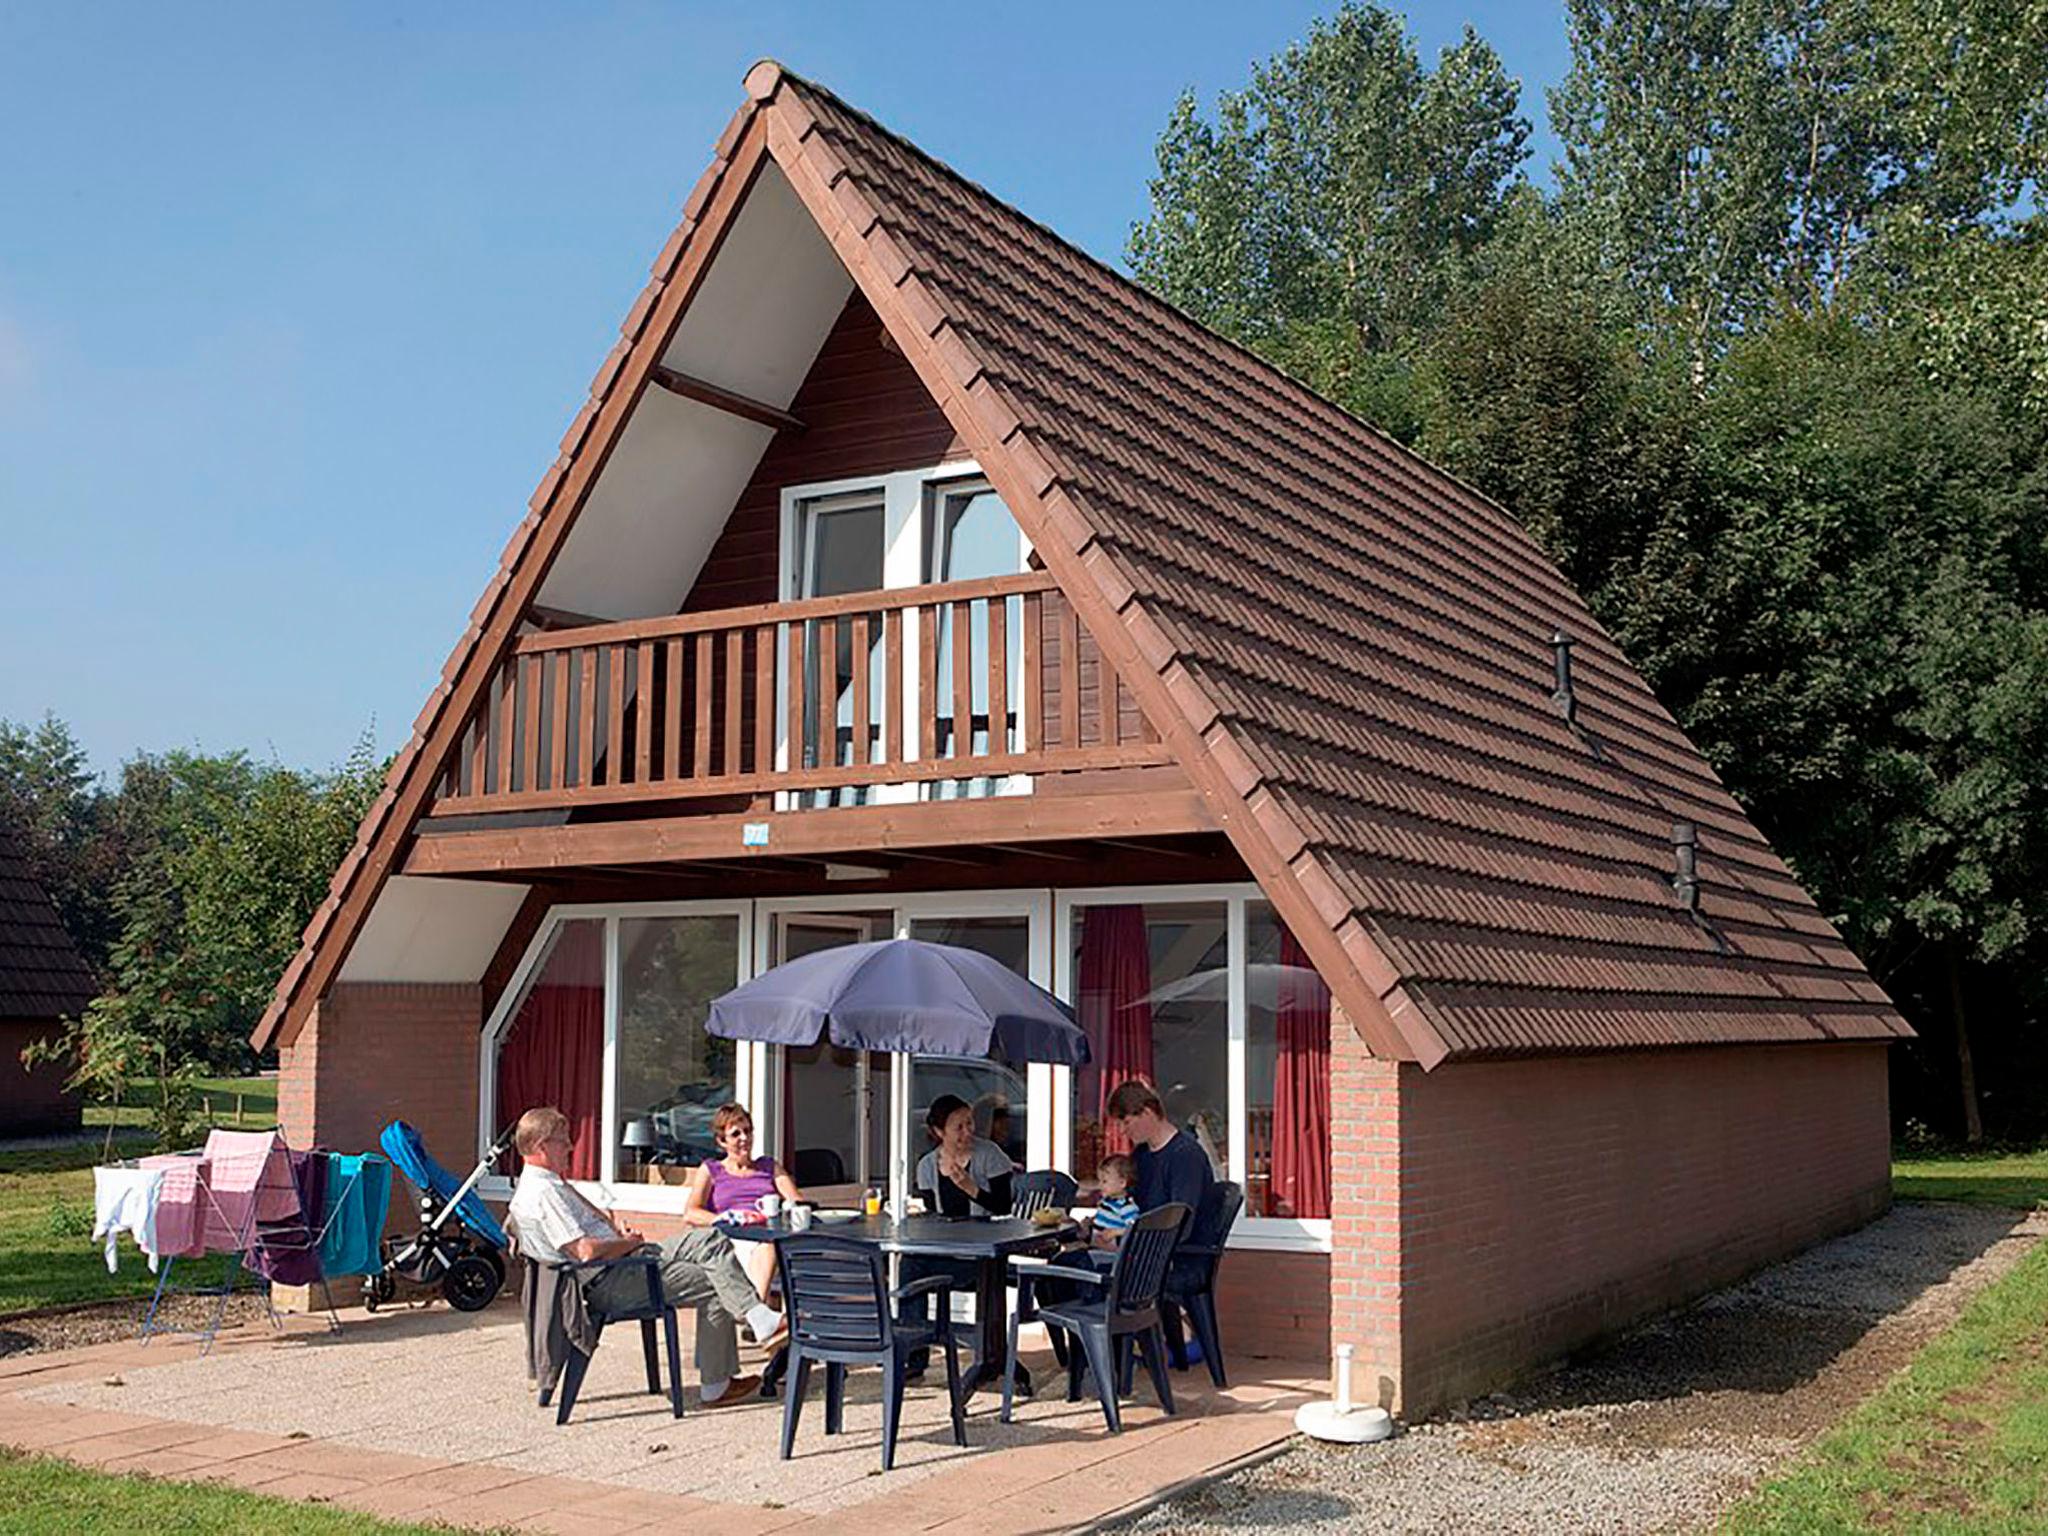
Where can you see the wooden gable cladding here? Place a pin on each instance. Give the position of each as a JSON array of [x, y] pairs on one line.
[[687, 709], [865, 412]]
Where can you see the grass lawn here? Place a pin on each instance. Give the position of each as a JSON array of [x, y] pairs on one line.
[[47, 1255], [39, 1494], [1986, 1178], [256, 1096], [1958, 1441]]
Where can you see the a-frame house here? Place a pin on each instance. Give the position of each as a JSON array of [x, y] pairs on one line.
[[909, 571]]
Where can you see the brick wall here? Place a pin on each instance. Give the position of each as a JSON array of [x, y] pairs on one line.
[[33, 1103], [374, 1052], [1545, 1202], [1274, 1305], [1365, 1213]]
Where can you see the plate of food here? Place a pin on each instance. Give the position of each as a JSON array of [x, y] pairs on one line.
[[1050, 1216], [831, 1218]]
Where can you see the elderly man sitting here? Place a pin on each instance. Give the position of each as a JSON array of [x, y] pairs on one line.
[[698, 1267]]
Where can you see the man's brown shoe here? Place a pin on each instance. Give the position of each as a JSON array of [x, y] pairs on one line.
[[738, 1390]]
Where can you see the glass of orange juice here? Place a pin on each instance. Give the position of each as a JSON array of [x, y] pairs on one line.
[[871, 1202]]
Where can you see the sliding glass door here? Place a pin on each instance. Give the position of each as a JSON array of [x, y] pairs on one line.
[[832, 1107], [829, 1133], [998, 1091]]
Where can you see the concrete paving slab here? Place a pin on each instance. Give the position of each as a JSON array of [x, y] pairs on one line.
[[429, 1416]]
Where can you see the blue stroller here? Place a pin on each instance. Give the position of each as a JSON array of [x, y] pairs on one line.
[[459, 1248]]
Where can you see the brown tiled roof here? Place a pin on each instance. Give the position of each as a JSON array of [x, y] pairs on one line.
[[41, 975], [1349, 649]]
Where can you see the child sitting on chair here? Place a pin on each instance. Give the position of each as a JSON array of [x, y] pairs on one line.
[[1115, 1210]]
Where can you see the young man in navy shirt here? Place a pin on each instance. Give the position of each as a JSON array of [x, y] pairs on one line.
[[1171, 1168]]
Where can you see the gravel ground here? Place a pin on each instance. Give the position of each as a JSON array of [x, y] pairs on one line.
[[108, 1322], [1666, 1426]]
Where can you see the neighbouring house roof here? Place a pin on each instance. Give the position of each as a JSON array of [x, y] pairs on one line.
[[41, 975], [1349, 650]]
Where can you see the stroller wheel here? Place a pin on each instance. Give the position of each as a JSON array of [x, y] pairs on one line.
[[471, 1282], [377, 1289]]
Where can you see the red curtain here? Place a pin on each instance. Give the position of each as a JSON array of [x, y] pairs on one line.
[[1116, 1012], [554, 1052], [1301, 1088]]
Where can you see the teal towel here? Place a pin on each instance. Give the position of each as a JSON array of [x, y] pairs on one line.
[[358, 1195]]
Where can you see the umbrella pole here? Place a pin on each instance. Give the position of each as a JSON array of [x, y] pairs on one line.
[[863, 1116], [899, 1134]]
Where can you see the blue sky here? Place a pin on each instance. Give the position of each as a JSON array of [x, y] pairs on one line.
[[296, 301]]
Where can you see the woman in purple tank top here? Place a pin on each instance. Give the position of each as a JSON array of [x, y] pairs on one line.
[[736, 1182]]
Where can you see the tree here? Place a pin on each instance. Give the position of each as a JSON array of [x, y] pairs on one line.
[[1328, 211], [1768, 377], [1536, 395], [53, 804], [226, 860], [1728, 157]]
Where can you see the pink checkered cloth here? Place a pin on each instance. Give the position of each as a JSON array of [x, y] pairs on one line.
[[179, 1228], [250, 1175]]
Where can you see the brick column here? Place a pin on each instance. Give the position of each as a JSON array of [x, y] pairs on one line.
[[1365, 1213], [374, 1052]]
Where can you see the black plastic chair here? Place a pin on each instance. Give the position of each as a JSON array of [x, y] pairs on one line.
[[1042, 1189], [655, 1308], [814, 1167], [1126, 1305], [841, 1313], [1191, 1279]]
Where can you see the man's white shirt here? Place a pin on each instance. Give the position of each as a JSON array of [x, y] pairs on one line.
[[550, 1216]]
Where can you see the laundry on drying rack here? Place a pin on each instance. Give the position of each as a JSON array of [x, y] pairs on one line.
[[358, 1197], [288, 1250], [125, 1200], [180, 1232], [249, 1176]]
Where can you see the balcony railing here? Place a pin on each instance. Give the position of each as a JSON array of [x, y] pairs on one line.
[[962, 688]]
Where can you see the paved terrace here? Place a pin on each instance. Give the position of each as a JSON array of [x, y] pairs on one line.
[[427, 1415]]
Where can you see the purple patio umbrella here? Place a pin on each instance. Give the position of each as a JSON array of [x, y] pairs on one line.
[[903, 996]]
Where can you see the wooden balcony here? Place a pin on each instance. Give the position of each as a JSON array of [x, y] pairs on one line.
[[863, 699]]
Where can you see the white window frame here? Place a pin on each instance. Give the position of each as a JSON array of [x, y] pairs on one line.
[[607, 1189], [904, 908], [1287, 1233], [757, 1067], [905, 496]]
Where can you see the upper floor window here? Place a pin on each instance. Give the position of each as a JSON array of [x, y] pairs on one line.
[[890, 532], [903, 529]]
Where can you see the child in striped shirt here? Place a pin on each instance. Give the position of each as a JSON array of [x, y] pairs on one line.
[[1115, 1210]]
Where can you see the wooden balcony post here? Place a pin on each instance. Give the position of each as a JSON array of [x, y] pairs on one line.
[[643, 713]]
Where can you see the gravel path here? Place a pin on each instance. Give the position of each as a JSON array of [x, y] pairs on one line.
[[109, 1322], [1666, 1426]]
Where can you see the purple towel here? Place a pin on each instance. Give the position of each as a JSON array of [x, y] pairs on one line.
[[288, 1251]]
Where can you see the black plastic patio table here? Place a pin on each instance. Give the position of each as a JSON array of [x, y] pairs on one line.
[[988, 1243]]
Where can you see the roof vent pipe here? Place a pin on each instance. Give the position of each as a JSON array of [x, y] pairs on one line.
[[1566, 701], [1685, 848]]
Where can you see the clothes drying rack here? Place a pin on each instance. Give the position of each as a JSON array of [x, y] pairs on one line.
[[246, 1238]]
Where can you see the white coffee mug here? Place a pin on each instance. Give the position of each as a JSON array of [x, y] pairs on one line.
[[799, 1218], [771, 1206]]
